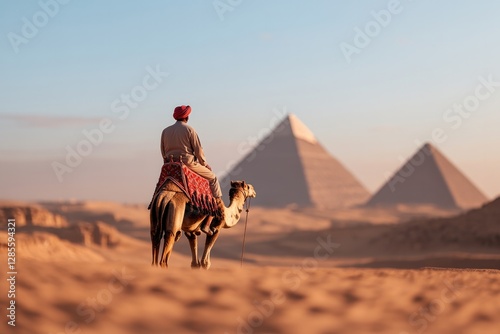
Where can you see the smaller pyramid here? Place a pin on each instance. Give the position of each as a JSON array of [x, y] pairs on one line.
[[429, 178], [290, 167]]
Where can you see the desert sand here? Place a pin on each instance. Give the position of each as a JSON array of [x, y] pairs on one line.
[[84, 267]]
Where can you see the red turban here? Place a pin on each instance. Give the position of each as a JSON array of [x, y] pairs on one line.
[[182, 112]]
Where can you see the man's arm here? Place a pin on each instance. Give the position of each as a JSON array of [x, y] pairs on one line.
[[197, 149], [162, 148]]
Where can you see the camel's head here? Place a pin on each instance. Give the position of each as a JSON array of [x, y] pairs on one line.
[[242, 186]]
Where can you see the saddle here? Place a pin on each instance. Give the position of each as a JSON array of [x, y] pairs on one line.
[[195, 187]]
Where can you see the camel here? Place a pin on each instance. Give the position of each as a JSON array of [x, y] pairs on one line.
[[171, 213]]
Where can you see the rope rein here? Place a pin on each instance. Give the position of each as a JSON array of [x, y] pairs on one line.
[[248, 201]]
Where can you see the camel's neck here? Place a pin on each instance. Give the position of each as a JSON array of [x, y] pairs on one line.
[[233, 212]]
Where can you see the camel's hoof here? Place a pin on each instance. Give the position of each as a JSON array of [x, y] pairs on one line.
[[195, 265]]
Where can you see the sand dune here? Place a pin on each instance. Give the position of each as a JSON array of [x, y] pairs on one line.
[[278, 236], [130, 298], [30, 214], [478, 229], [47, 247], [305, 271]]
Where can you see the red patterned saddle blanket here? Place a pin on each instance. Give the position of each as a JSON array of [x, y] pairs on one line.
[[195, 187]]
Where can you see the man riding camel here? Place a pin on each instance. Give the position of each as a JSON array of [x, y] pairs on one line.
[[181, 141]]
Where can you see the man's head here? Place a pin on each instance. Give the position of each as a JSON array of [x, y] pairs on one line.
[[181, 113]]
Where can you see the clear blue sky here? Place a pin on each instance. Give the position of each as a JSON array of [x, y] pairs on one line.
[[263, 56]]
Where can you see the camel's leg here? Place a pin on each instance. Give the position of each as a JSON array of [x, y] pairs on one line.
[[162, 216], [193, 244], [155, 251], [209, 243], [155, 229], [168, 245], [173, 224], [156, 217]]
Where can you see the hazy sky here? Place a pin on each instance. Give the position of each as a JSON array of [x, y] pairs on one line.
[[368, 89]]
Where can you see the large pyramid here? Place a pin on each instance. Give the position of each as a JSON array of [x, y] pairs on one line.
[[429, 178], [290, 167]]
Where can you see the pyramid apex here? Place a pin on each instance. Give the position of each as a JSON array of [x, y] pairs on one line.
[[300, 130], [428, 146]]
